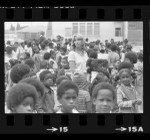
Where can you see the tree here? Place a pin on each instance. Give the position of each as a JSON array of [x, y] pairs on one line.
[[12, 28], [18, 26]]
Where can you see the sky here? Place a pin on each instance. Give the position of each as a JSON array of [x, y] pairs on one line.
[[8, 24]]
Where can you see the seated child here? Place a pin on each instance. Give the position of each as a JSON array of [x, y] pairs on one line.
[[103, 97], [126, 93], [67, 93], [84, 104], [21, 98], [40, 107], [48, 80]]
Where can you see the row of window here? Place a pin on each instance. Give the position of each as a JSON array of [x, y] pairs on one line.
[[86, 29], [89, 29]]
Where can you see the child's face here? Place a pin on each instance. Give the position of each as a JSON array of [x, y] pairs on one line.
[[48, 81], [117, 64], [125, 78], [68, 100], [22, 58], [64, 63], [26, 106], [62, 52], [104, 101], [36, 49]]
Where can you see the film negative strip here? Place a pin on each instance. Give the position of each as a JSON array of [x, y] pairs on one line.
[[78, 123]]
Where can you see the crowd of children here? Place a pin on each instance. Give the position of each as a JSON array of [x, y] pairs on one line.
[[38, 78]]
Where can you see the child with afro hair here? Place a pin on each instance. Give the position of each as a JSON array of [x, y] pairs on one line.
[[67, 93], [18, 72], [103, 97], [40, 107], [22, 98], [59, 80], [127, 99], [131, 57], [8, 81]]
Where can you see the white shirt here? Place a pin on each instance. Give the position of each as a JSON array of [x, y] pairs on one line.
[[73, 111], [29, 50], [93, 75], [80, 61], [103, 56]]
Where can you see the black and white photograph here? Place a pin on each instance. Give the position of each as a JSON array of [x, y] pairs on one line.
[[73, 67]]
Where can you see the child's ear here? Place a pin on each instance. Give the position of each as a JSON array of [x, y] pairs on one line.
[[13, 108], [94, 101]]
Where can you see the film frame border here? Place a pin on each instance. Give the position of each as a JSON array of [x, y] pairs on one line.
[[81, 123]]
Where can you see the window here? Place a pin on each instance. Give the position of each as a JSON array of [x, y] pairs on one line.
[[118, 32], [75, 28], [96, 28], [82, 28], [89, 29]]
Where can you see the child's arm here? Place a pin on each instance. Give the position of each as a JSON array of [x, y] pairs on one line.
[[122, 103]]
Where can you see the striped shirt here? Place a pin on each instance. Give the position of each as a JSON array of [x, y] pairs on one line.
[[83, 98]]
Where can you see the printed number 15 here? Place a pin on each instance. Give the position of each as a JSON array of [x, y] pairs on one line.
[[63, 129]]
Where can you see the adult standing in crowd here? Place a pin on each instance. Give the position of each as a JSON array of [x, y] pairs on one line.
[[42, 37], [77, 58]]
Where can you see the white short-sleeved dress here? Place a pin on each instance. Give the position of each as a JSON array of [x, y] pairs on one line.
[[79, 60]]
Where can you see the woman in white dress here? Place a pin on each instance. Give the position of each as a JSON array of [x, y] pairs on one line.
[[77, 58]]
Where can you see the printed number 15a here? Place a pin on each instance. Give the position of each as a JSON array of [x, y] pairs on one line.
[[63, 129], [135, 129]]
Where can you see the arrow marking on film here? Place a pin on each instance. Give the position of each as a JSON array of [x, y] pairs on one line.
[[121, 129], [53, 129]]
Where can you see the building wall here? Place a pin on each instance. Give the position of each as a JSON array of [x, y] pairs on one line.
[[106, 30], [135, 33], [58, 28]]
